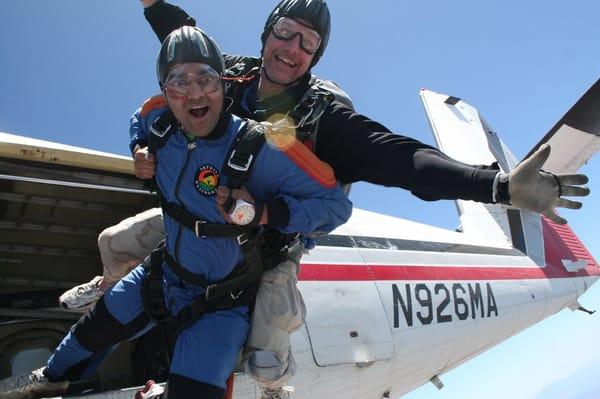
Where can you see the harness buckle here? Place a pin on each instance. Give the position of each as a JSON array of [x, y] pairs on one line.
[[242, 239], [234, 296], [157, 128], [199, 228], [304, 119], [207, 292], [237, 166]]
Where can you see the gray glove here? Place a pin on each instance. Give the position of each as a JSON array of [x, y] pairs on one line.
[[533, 189]]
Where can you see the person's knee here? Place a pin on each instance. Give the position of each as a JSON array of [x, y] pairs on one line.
[[99, 329], [126, 244], [181, 387], [117, 262], [270, 369], [105, 238]]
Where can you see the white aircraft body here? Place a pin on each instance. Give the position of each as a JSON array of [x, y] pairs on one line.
[[391, 304]]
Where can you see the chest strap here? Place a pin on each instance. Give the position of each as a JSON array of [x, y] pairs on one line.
[[202, 228], [247, 238]]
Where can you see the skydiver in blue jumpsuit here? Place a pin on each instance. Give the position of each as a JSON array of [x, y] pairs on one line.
[[189, 171]]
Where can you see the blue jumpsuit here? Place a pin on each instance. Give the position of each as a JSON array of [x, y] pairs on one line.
[[188, 173]]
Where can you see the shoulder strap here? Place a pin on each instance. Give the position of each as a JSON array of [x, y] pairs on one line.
[[308, 111], [242, 153], [161, 129], [240, 159], [311, 107], [339, 94], [236, 77]]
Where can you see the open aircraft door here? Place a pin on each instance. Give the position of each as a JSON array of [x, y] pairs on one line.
[[345, 320]]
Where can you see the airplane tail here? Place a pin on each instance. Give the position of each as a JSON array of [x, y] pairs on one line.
[[463, 134]]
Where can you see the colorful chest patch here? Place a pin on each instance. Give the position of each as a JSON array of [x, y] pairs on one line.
[[207, 180]]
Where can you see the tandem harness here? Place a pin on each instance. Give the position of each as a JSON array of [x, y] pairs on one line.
[[305, 113], [239, 287]]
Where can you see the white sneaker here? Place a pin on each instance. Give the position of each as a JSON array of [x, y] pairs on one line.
[[151, 390], [274, 393], [82, 295], [31, 385]]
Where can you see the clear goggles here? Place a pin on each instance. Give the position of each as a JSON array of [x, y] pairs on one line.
[[179, 81], [287, 28]]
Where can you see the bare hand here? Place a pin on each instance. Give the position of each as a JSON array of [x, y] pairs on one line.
[[242, 193], [144, 163]]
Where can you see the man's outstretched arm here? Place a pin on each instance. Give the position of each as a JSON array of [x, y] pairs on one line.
[[164, 18], [360, 149]]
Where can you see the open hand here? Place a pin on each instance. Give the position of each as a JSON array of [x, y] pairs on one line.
[[533, 189]]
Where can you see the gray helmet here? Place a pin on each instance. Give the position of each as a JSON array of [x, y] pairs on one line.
[[315, 12], [188, 44]]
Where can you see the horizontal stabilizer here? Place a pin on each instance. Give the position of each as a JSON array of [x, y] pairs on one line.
[[576, 137]]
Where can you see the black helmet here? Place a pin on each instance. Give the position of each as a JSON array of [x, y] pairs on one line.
[[188, 44], [315, 12]]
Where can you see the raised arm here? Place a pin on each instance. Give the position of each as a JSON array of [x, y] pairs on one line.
[[164, 17], [360, 149]]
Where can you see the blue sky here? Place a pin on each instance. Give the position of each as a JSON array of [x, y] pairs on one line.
[[73, 71]]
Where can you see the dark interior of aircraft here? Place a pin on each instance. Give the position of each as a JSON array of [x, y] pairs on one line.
[[50, 218]]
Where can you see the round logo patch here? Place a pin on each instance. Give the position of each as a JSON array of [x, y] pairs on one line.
[[207, 180]]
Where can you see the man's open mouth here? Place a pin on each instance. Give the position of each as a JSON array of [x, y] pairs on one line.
[[199, 111], [285, 61]]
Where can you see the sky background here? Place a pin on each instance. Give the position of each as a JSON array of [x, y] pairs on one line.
[[73, 71]]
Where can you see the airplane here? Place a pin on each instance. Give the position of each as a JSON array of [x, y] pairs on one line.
[[392, 304]]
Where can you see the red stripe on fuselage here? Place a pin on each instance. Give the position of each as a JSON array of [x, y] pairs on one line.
[[340, 272], [559, 243]]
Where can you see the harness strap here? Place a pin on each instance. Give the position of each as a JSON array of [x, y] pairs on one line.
[[244, 274], [237, 289], [162, 128], [184, 273], [241, 156], [307, 113], [153, 300], [241, 277], [200, 227]]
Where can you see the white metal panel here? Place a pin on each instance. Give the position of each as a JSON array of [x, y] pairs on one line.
[[560, 292], [487, 221], [532, 229], [463, 135], [580, 285], [346, 323], [571, 148], [459, 133], [457, 129], [366, 223], [28, 149], [423, 344], [415, 258], [576, 137]]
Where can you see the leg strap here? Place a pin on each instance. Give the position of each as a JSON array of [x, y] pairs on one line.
[[152, 295]]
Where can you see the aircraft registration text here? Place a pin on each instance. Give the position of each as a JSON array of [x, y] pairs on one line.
[[442, 303]]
